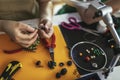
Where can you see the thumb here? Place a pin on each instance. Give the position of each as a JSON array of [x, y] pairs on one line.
[[29, 28]]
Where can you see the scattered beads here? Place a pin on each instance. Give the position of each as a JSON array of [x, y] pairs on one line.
[[69, 63], [61, 64], [63, 71]]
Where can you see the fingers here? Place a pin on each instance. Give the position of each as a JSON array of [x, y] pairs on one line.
[[47, 33], [28, 36], [43, 34], [43, 27], [87, 15], [27, 43], [46, 29], [27, 28], [25, 40], [21, 33]]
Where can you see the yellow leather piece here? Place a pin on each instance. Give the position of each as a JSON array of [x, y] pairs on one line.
[[29, 70]]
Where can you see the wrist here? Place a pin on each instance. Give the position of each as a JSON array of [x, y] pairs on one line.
[[46, 12], [45, 18]]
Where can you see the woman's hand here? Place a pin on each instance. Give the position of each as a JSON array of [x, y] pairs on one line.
[[87, 15], [22, 34], [45, 28]]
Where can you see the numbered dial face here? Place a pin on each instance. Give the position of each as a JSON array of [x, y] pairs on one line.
[[88, 56]]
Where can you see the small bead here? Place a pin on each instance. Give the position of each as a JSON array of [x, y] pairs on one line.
[[91, 57], [94, 56], [51, 64], [92, 49], [88, 51], [112, 46], [87, 58], [80, 54], [63, 71], [61, 64], [69, 63], [95, 65], [58, 75], [38, 62]]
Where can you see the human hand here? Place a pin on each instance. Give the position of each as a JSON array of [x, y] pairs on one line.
[[45, 28], [85, 11], [22, 34], [87, 15]]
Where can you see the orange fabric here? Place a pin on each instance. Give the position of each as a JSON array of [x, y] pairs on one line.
[[29, 71]]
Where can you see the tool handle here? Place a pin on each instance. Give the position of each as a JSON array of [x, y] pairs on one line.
[[10, 70], [52, 44]]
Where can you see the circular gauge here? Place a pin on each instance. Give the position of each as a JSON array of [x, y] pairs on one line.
[[88, 56]]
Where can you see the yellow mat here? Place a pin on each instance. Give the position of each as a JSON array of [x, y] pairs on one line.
[[29, 71]]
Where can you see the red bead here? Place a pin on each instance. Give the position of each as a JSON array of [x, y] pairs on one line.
[[87, 58]]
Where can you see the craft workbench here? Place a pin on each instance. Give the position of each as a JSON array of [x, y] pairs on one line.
[[29, 71]]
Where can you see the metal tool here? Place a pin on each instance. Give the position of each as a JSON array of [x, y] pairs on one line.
[[50, 45], [51, 53], [74, 25], [101, 10]]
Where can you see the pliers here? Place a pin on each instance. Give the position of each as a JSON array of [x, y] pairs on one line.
[[50, 45]]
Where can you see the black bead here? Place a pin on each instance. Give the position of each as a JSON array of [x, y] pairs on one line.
[[51, 64], [54, 63], [58, 75], [38, 63], [63, 71], [69, 63], [61, 64]]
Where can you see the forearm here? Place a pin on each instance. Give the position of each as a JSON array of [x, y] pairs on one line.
[[5, 24], [46, 9], [115, 4]]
